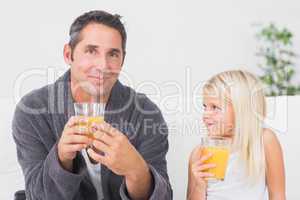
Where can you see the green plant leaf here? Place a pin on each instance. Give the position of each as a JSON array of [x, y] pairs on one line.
[[277, 56]]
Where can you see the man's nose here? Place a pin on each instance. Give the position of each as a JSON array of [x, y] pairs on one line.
[[101, 63]]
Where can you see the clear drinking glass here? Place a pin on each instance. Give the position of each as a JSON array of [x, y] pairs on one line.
[[220, 149], [94, 113]]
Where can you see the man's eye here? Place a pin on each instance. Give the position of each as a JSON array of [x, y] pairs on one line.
[[114, 54], [91, 51]]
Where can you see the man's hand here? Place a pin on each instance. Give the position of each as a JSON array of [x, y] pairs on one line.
[[72, 140], [120, 156]]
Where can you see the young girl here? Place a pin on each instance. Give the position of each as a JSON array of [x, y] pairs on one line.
[[235, 108]]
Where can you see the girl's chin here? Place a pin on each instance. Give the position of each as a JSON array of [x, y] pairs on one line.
[[213, 131], [219, 134]]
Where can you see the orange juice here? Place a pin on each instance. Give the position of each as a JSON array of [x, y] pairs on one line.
[[91, 121], [220, 158]]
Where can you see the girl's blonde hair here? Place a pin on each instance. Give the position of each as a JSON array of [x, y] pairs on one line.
[[245, 93]]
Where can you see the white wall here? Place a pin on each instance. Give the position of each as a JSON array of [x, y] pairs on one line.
[[164, 37], [177, 42]]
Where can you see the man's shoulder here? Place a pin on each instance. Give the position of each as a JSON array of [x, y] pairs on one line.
[[39, 98], [31, 107], [35, 98]]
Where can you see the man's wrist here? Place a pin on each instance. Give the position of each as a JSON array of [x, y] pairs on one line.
[[142, 171], [67, 165], [140, 183]]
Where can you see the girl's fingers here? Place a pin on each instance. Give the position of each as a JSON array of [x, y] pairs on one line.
[[202, 167], [206, 157], [204, 175]]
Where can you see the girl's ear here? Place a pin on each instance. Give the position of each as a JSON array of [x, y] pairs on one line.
[[230, 130]]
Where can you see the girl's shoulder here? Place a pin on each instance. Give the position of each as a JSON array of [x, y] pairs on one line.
[[275, 177], [272, 145], [269, 138]]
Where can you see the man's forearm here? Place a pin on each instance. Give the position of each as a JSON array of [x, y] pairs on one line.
[[140, 184]]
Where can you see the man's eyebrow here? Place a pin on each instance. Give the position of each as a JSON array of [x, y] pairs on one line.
[[94, 47], [115, 50], [91, 46]]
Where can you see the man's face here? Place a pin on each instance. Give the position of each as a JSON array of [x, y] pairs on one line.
[[97, 59]]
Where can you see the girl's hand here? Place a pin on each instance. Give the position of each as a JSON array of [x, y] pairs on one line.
[[197, 167]]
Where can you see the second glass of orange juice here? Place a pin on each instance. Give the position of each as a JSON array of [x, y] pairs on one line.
[[219, 147]]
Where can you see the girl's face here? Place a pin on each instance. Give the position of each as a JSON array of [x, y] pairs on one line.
[[218, 116]]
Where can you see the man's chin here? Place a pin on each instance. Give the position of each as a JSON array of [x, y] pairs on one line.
[[95, 81], [97, 91]]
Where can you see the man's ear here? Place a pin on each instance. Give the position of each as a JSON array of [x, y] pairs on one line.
[[68, 54]]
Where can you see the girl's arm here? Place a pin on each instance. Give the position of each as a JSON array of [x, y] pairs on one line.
[[196, 183], [194, 191], [275, 175]]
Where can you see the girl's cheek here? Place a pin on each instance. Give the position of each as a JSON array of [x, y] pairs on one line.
[[220, 118]]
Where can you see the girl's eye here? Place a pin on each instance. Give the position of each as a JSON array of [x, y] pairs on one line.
[[214, 107], [211, 107]]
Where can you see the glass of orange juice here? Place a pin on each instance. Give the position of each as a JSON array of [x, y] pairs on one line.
[[220, 149], [94, 113]]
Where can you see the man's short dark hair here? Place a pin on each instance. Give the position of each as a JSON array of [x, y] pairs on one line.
[[100, 17]]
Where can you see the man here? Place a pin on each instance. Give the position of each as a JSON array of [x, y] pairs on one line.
[[130, 146]]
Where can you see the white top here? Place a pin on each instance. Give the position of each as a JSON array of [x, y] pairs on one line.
[[94, 171], [236, 185]]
